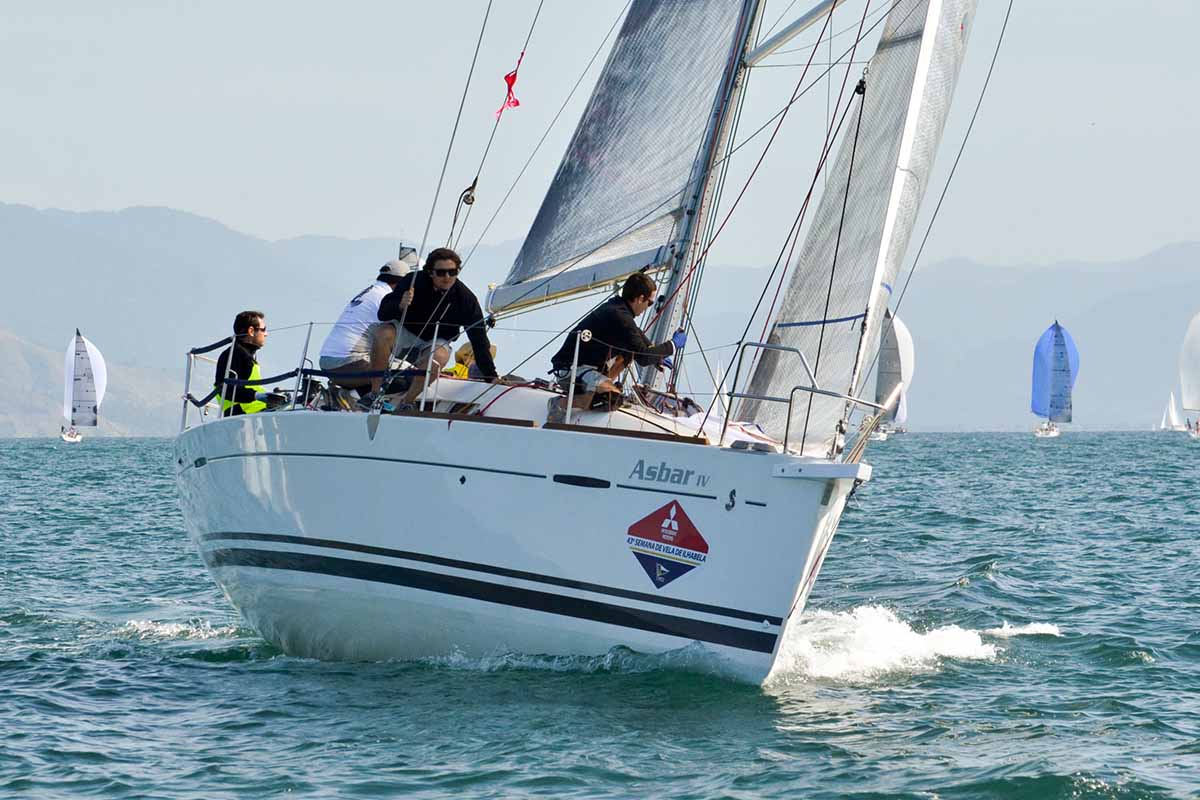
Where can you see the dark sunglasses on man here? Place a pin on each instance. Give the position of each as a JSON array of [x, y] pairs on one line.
[[446, 273]]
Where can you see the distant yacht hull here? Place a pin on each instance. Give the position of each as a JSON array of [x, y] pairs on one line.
[[439, 538], [71, 437], [1047, 431]]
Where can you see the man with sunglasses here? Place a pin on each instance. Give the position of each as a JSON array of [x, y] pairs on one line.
[[429, 301], [616, 342], [249, 335]]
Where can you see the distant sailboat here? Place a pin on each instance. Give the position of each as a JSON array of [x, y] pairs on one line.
[[897, 360], [84, 383], [1055, 367], [1171, 420], [1189, 373]]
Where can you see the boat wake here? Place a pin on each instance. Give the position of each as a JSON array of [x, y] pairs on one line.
[[620, 660], [192, 630], [869, 642]]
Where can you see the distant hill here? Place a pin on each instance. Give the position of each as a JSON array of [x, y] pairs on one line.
[[139, 402], [147, 283]]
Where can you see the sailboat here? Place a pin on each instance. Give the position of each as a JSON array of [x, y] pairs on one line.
[[1189, 374], [1055, 367], [85, 379], [1171, 421], [897, 360], [615, 528]]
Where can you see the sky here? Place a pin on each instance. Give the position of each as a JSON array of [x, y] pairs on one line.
[[283, 119]]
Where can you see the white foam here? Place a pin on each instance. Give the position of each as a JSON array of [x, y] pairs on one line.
[[868, 642], [1006, 631], [691, 658], [148, 629]]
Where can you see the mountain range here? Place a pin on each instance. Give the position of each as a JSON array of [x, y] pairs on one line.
[[145, 284]]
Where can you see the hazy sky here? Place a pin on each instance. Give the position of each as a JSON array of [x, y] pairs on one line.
[[282, 119]]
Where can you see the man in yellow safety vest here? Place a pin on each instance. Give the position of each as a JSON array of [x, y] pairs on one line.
[[249, 335]]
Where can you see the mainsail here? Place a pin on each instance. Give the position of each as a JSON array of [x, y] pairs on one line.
[[1055, 367], [86, 378], [1189, 366], [631, 170], [896, 364], [1170, 418], [852, 262]]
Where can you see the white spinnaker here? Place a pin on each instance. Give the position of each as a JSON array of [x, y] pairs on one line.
[[834, 316], [1189, 366], [85, 380]]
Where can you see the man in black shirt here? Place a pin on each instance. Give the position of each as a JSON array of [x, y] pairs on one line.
[[616, 342], [434, 299], [249, 335]]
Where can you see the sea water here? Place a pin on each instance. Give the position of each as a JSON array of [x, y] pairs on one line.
[[999, 617]]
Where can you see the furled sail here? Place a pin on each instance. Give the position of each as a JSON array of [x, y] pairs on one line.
[[1189, 366], [86, 378], [1055, 367], [897, 360], [909, 87], [630, 171]]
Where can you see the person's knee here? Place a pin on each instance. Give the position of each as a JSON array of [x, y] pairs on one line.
[[441, 357]]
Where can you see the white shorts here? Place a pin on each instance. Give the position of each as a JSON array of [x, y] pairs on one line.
[[411, 348]]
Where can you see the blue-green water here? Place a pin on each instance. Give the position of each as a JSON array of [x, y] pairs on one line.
[[999, 617]]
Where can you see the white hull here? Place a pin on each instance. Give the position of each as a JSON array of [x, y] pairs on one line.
[[467, 537], [71, 438], [1047, 431]]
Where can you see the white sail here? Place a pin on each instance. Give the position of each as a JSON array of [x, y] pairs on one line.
[[85, 380], [897, 360], [1189, 366], [1171, 421], [833, 308], [631, 172]]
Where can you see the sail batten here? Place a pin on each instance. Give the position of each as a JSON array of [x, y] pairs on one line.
[[909, 87], [630, 170]]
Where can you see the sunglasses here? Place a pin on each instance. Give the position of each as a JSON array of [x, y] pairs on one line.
[[446, 273]]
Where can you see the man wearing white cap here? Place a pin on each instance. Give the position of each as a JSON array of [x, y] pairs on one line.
[[347, 348]]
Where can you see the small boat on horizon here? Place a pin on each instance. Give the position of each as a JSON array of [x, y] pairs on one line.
[[1055, 367], [1189, 375], [897, 361], [85, 379]]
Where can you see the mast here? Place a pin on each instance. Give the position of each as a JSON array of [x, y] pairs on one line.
[[718, 132]]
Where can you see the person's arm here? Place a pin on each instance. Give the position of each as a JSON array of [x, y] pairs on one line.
[[392, 306], [477, 335], [644, 352]]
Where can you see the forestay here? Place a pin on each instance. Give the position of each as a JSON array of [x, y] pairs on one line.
[[897, 360], [1189, 366], [85, 380], [909, 87], [630, 171], [1055, 367]]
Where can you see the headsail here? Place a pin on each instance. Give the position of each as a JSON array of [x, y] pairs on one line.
[[896, 364], [1171, 420], [1055, 367], [629, 173], [1189, 366], [909, 87], [85, 381]]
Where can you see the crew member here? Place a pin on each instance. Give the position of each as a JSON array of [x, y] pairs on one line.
[[249, 335], [347, 348], [421, 302], [616, 342]]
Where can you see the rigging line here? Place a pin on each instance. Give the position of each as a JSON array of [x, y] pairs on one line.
[[794, 232], [454, 132], [878, 10], [950, 177], [745, 186], [582, 75], [861, 91], [775, 24], [495, 126]]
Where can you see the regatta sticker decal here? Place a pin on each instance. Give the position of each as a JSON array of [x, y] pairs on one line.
[[667, 544]]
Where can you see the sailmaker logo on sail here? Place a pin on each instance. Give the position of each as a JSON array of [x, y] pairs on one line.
[[667, 544]]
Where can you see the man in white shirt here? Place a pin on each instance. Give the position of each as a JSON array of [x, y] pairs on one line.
[[347, 348]]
